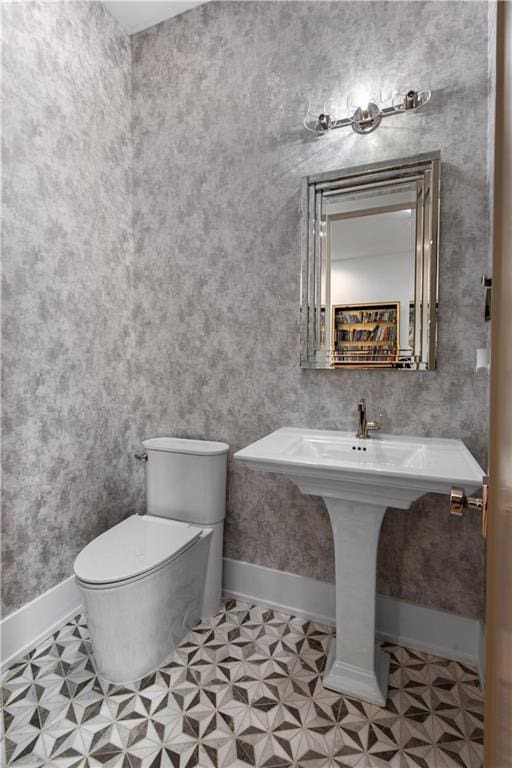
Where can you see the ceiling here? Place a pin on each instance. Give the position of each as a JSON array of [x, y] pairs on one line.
[[134, 15], [381, 234]]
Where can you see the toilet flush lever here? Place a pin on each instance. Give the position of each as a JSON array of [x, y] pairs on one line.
[[141, 456], [459, 502]]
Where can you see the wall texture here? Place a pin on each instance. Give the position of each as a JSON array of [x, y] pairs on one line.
[[219, 151], [67, 339], [195, 333]]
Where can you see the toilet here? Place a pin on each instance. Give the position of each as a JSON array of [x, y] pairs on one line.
[[149, 579]]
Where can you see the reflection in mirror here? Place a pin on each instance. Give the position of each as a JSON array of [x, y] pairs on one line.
[[372, 248], [369, 269]]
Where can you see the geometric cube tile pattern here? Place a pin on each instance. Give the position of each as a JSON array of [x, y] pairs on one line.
[[243, 689]]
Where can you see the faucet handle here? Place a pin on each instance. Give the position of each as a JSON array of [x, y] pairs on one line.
[[374, 426]]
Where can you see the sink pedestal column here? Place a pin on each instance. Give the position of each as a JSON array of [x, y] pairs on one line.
[[356, 666]]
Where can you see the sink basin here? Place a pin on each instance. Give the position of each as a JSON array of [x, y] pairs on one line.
[[392, 469], [358, 479], [425, 463], [377, 455]]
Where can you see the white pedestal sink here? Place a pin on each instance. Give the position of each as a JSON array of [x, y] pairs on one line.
[[358, 479]]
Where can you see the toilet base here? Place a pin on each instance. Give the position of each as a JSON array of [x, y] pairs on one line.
[[134, 626]]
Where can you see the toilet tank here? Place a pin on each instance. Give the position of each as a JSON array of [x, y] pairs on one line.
[[186, 479]]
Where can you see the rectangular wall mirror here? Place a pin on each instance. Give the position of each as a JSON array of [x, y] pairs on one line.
[[369, 278]]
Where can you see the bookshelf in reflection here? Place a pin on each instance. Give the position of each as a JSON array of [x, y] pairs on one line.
[[366, 334]]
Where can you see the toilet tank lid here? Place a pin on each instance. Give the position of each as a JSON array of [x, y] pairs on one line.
[[181, 445]]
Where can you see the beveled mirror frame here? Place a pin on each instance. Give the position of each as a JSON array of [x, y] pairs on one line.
[[425, 170]]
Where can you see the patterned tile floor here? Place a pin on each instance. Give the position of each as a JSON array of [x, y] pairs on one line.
[[243, 689]]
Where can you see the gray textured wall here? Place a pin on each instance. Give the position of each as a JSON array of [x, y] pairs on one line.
[[67, 339], [212, 348], [219, 151]]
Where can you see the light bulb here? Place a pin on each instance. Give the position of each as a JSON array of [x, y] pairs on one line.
[[331, 108], [361, 99]]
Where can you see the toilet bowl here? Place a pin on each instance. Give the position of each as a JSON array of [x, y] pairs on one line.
[[146, 581]]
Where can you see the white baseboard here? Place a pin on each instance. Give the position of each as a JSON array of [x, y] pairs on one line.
[[27, 627], [414, 626], [282, 591]]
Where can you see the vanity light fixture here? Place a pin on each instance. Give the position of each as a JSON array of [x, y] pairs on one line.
[[367, 116]]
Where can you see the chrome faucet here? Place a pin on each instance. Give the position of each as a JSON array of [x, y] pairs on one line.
[[365, 426]]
